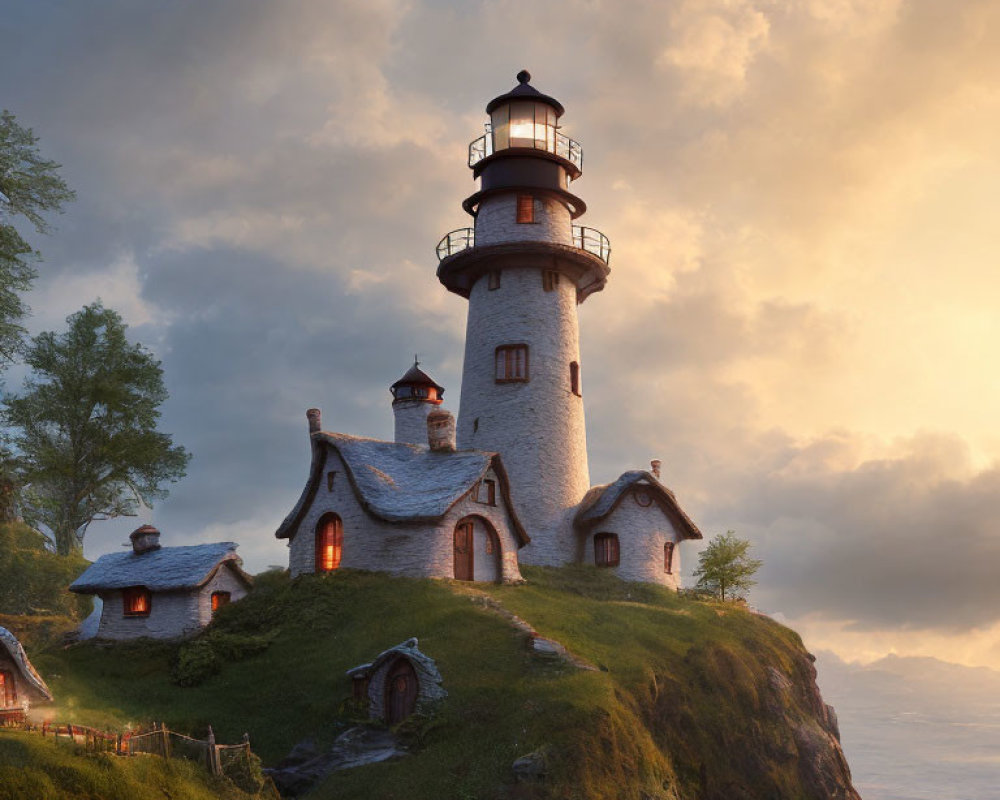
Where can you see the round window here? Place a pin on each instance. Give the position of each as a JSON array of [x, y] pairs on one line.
[[643, 499]]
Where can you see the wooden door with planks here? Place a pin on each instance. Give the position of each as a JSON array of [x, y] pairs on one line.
[[464, 559], [400, 691]]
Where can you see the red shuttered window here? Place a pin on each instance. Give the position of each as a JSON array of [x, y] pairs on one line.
[[511, 363], [525, 208]]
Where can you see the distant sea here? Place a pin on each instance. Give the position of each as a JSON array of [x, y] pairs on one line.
[[917, 728]]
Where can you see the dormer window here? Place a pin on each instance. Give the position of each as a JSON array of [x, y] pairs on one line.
[[512, 363], [136, 601], [488, 492]]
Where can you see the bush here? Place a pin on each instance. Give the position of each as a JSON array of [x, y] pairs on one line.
[[203, 657]]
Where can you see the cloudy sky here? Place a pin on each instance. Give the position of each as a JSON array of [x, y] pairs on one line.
[[801, 320]]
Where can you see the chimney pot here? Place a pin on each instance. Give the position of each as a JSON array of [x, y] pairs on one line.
[[655, 464], [144, 539], [315, 422], [441, 431]]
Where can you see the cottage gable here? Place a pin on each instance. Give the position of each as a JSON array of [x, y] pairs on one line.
[[20, 683]]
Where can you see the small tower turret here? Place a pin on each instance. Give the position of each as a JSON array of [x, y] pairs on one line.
[[524, 268], [414, 396]]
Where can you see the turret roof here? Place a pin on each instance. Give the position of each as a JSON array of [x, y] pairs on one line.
[[415, 376]]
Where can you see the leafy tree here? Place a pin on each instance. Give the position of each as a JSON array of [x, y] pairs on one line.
[[725, 567], [29, 186], [85, 428]]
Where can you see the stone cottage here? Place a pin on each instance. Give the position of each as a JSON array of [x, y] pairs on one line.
[[162, 592], [20, 683], [399, 682], [422, 510]]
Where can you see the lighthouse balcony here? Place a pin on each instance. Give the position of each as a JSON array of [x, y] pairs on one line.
[[588, 239], [542, 137]]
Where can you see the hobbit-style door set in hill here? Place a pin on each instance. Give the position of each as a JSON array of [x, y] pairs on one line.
[[398, 683]]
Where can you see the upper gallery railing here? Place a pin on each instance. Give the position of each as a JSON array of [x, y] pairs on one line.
[[589, 239]]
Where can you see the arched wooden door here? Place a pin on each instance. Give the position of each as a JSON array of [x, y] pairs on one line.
[[8, 692], [400, 691], [465, 567]]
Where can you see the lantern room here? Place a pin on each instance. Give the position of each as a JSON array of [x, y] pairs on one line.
[[417, 385]]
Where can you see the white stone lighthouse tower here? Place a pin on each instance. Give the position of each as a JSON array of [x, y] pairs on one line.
[[524, 268]]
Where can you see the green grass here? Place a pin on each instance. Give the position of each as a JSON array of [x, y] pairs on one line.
[[33, 768], [679, 707]]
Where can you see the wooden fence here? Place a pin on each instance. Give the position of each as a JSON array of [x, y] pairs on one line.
[[233, 761]]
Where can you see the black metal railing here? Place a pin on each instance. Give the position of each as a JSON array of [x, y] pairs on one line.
[[560, 144], [593, 241], [456, 242]]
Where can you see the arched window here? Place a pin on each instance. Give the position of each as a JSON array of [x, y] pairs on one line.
[[8, 692], [606, 550], [220, 599], [329, 543], [668, 557]]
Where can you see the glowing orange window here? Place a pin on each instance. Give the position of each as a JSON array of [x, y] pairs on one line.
[[220, 599], [329, 543], [136, 601]]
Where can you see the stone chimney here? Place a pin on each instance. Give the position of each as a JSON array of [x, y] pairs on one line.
[[315, 421], [441, 431], [145, 539], [655, 464]]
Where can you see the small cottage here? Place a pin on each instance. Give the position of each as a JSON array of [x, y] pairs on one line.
[[399, 682], [20, 683], [422, 510], [632, 526], [162, 592]]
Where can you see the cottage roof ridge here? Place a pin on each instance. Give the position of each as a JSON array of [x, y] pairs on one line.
[[601, 500], [164, 569], [20, 659]]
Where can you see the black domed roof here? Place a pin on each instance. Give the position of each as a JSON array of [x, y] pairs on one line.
[[525, 91]]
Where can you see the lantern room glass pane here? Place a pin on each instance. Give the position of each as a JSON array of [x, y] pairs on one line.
[[500, 119], [522, 124]]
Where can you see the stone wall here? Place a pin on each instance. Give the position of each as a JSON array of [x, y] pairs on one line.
[[642, 532], [537, 426], [171, 614], [416, 549], [496, 222], [224, 580], [410, 418]]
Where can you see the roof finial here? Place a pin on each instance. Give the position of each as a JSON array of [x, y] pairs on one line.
[[523, 76], [416, 360]]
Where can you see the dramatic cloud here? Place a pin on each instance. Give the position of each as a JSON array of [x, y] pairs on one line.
[[801, 316]]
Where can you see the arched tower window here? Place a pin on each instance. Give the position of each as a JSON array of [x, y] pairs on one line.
[[329, 543], [606, 553]]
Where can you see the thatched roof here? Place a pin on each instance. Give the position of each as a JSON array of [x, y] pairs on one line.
[[602, 500], [9, 642], [401, 482], [164, 569]]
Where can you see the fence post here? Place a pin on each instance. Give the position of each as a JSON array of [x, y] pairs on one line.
[[214, 762]]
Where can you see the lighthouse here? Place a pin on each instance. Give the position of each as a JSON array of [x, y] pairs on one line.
[[524, 267]]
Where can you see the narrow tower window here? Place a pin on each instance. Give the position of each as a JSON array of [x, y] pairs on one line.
[[493, 280], [668, 557], [606, 550], [525, 208], [574, 378], [550, 280], [511, 363], [329, 543]]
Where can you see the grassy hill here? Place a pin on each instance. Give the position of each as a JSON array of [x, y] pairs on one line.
[[690, 700]]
